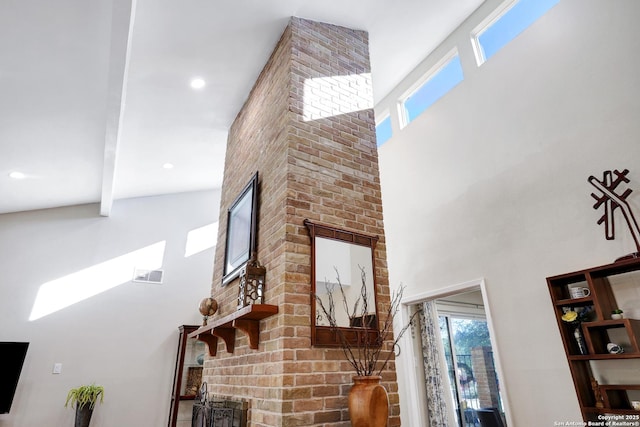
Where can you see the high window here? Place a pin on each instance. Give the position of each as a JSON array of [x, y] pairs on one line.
[[383, 130], [444, 77], [505, 24]]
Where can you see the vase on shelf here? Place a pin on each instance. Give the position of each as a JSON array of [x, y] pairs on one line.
[[582, 345]]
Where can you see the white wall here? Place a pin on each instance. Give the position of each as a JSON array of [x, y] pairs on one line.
[[491, 182], [124, 338]]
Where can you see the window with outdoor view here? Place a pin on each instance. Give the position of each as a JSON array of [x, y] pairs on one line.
[[383, 131], [507, 24], [434, 87]]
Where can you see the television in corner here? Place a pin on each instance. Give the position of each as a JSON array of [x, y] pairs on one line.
[[12, 354]]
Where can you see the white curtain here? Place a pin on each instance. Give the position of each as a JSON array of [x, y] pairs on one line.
[[434, 375]]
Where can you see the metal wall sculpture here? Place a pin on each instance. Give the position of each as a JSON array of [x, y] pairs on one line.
[[611, 198]]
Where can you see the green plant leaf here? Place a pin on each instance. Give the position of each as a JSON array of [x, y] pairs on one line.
[[83, 395]]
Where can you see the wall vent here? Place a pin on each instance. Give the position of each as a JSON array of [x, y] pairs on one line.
[[148, 276]]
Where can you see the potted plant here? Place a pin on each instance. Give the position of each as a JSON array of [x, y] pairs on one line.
[[616, 314], [84, 399], [368, 400]]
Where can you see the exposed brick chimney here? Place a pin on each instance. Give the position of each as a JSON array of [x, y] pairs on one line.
[[308, 128]]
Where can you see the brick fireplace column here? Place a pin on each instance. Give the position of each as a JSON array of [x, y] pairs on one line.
[[308, 128]]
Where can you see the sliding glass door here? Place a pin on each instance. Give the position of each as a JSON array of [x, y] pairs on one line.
[[465, 345]]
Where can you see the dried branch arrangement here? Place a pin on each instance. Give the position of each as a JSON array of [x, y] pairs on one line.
[[366, 354]]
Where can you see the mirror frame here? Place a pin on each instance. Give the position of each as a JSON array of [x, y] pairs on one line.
[[324, 335]]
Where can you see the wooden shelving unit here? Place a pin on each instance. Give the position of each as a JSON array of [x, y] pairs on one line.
[[597, 332], [183, 394], [247, 320]]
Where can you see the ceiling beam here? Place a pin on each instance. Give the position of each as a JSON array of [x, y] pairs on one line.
[[122, 19]]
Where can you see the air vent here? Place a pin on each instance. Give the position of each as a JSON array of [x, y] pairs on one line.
[[148, 276]]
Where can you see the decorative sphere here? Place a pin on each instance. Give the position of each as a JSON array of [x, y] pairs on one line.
[[208, 306]]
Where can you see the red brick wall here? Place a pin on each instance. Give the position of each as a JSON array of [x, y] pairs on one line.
[[308, 128]]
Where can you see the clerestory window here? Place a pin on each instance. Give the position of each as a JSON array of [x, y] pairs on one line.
[[505, 24], [435, 84], [383, 130]]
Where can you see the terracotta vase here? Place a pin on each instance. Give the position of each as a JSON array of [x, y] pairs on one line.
[[368, 402]]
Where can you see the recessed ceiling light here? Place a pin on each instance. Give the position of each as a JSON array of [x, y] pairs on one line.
[[17, 175], [197, 83], [168, 166]]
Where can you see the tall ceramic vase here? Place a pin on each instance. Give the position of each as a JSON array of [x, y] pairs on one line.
[[368, 402], [83, 415]]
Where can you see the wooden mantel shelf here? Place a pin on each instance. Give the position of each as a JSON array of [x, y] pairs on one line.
[[247, 319]]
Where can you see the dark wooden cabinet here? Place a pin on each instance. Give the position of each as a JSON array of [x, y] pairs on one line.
[[605, 383], [187, 377]]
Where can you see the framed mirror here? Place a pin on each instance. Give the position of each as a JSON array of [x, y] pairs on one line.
[[342, 263]]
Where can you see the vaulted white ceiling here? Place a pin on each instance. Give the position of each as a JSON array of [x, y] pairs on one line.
[[95, 96]]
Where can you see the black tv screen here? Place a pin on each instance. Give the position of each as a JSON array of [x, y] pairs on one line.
[[12, 355]]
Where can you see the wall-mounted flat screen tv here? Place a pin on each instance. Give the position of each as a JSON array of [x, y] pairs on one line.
[[12, 355]]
